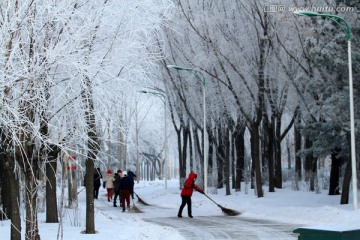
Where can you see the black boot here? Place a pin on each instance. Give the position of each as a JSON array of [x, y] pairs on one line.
[[189, 214], [115, 205], [179, 213]]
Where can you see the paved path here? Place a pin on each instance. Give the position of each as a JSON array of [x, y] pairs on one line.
[[217, 227], [225, 227]]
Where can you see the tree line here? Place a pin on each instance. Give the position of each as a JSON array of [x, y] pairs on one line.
[[274, 81], [71, 71]]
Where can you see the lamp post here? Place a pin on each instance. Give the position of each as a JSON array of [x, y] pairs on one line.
[[163, 99], [201, 78], [338, 20]]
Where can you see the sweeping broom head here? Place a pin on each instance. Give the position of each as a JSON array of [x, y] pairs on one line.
[[135, 209], [228, 211]]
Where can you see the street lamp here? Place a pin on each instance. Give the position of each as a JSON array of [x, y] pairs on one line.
[[338, 20], [163, 99], [201, 78]]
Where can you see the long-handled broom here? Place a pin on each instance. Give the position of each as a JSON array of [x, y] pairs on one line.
[[227, 211], [141, 201]]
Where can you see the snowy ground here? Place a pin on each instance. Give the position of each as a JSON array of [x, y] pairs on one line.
[[301, 208]]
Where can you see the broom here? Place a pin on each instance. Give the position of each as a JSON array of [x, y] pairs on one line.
[[81, 190], [135, 209], [141, 201], [227, 211]]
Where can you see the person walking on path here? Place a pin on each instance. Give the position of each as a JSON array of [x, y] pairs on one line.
[[132, 178], [97, 182], [109, 184], [125, 186], [186, 194], [117, 180]]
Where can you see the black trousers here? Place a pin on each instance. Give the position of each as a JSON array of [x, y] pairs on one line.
[[132, 192], [185, 200], [96, 192], [117, 194]]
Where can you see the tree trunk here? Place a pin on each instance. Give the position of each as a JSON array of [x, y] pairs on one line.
[[13, 183], [334, 174], [93, 147], [240, 156], [185, 136], [51, 197], [191, 150], [309, 166], [288, 150], [182, 164], [227, 161], [89, 182], [220, 159], [268, 145], [277, 152], [297, 140], [255, 154], [4, 187], [232, 159], [32, 228], [346, 184], [272, 156]]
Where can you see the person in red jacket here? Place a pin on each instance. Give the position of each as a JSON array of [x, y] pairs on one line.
[[186, 193]]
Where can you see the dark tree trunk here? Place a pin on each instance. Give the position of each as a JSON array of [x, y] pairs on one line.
[[89, 183], [191, 150], [277, 152], [31, 175], [252, 179], [240, 156], [220, 159], [233, 163], [255, 150], [5, 188], [297, 140], [346, 184], [309, 163], [182, 164], [198, 151], [51, 196], [268, 145], [93, 146], [15, 199], [227, 162], [271, 158], [211, 151], [185, 137], [288, 150], [334, 174]]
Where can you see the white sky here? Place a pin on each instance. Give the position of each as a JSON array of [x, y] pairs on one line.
[[302, 208]]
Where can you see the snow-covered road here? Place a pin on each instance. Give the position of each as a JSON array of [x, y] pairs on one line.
[[200, 227], [224, 227]]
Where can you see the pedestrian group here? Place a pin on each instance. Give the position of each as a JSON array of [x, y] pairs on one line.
[[120, 186]]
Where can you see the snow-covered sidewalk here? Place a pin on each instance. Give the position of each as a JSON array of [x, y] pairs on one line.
[[301, 208]]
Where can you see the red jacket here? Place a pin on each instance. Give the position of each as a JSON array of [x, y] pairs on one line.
[[189, 185]]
